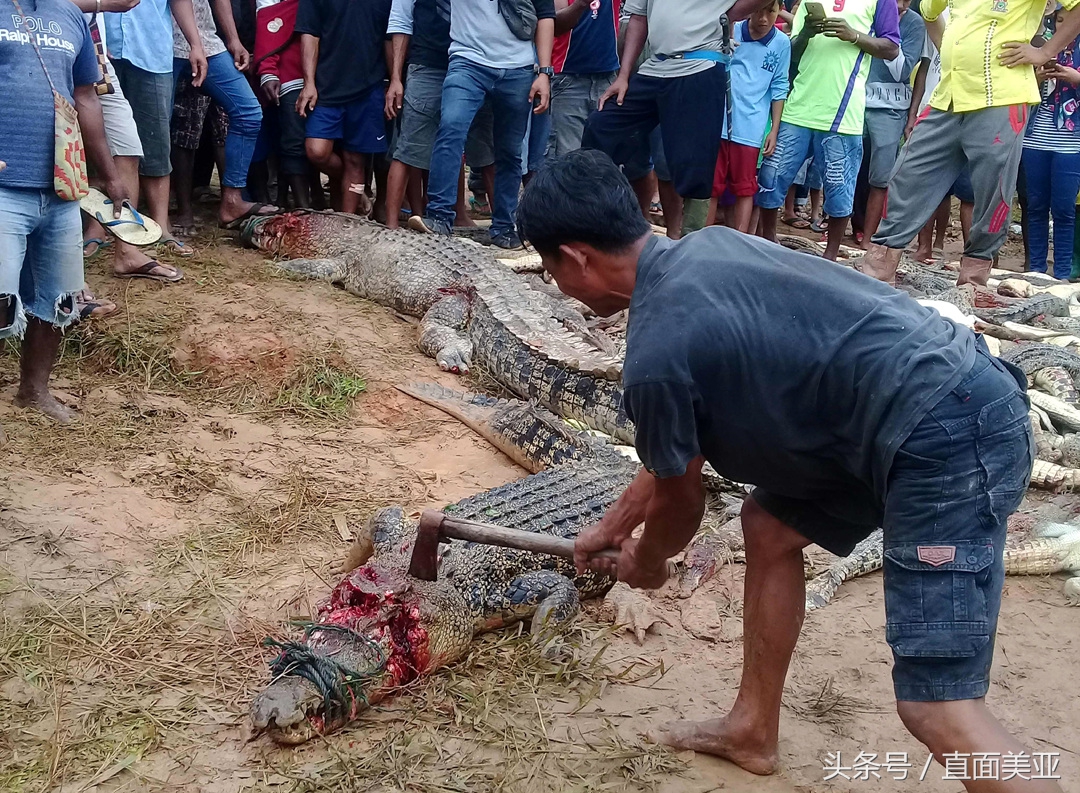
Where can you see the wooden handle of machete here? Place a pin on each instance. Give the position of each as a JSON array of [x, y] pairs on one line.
[[473, 531]]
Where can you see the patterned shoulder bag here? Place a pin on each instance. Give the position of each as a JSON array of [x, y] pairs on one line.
[[70, 180]]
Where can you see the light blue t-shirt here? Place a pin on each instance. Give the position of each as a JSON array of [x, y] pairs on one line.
[[143, 36], [759, 76], [479, 34], [26, 101]]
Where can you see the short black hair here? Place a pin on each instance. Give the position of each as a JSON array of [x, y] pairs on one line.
[[581, 196]]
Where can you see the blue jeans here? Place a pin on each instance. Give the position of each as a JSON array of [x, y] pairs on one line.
[[41, 266], [535, 144], [230, 89], [1053, 181], [466, 86], [840, 157]]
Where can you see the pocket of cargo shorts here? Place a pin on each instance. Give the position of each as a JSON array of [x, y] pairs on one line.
[[936, 597]]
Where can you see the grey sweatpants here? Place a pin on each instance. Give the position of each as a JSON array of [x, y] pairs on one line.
[[990, 141]]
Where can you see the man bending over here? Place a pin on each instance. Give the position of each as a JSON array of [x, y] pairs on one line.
[[847, 404]]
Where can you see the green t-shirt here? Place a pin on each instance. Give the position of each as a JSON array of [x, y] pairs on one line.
[[829, 93]]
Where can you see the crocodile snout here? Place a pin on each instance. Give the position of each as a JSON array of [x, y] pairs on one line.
[[284, 703]]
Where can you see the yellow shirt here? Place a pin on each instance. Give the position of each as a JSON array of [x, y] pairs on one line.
[[972, 78]]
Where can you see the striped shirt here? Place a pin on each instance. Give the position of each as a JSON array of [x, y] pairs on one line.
[[1043, 134]]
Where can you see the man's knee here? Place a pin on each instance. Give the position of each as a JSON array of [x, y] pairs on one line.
[[934, 723], [766, 534], [319, 151], [247, 118]]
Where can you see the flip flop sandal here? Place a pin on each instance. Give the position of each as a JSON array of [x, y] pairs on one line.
[[147, 272], [256, 210], [173, 245], [101, 245], [820, 226], [183, 231], [86, 310], [131, 227], [797, 222]]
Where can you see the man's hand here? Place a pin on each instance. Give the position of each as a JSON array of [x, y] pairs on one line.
[[912, 120], [305, 103], [1019, 53], [541, 88], [395, 95], [1057, 71], [117, 193], [616, 90], [838, 29], [638, 572], [241, 57], [770, 142], [197, 59], [271, 91], [599, 537]]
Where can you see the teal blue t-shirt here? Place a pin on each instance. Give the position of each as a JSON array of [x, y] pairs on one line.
[[759, 76]]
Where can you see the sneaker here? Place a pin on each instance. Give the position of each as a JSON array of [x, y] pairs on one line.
[[510, 241], [429, 225]]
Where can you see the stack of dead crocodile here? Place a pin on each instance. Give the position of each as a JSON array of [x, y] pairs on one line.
[[379, 628]]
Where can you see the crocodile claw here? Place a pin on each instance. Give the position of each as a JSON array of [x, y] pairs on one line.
[[633, 610]]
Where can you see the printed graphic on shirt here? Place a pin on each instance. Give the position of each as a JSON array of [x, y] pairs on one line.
[[48, 35]]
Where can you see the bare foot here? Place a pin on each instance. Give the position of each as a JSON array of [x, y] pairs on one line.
[[720, 738], [46, 403]]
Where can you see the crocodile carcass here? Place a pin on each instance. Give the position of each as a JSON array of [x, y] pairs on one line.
[[472, 309]]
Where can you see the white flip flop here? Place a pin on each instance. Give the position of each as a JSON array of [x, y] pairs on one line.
[[131, 227]]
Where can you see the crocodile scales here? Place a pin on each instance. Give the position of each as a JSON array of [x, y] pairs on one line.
[[472, 308]]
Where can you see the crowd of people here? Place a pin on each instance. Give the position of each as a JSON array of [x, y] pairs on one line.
[[421, 112]]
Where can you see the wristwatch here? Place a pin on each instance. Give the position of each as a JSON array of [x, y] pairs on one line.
[[550, 72]]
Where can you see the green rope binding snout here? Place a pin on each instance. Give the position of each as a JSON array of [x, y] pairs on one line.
[[329, 677]]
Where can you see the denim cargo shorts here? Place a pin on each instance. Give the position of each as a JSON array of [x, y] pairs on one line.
[[953, 484]]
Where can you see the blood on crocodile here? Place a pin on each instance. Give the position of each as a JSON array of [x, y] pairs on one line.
[[377, 605]]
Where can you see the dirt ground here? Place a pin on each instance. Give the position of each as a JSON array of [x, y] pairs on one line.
[[234, 429]]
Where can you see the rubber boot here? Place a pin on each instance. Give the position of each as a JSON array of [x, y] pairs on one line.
[[974, 271], [880, 262], [694, 213]]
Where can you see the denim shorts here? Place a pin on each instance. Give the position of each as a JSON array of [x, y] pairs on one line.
[[953, 484], [41, 263], [151, 98], [359, 125], [840, 157]]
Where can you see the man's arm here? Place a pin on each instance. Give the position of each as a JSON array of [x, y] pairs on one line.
[[1019, 53], [395, 92], [541, 87], [918, 90], [223, 15], [109, 6], [742, 9], [671, 509], [92, 125], [567, 14], [309, 58], [636, 33], [184, 14]]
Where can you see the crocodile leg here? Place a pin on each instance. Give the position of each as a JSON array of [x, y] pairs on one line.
[[442, 334], [548, 598], [316, 269]]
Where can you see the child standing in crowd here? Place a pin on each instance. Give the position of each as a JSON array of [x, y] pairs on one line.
[[824, 115], [345, 64], [759, 84], [1051, 163], [281, 78]]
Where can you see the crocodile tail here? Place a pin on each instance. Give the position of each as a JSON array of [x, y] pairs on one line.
[[479, 413]]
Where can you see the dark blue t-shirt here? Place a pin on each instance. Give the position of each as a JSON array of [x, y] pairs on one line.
[[590, 47], [26, 104], [351, 33], [783, 370]]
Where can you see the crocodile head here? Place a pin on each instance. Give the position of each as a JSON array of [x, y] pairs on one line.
[[277, 233], [378, 630]]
